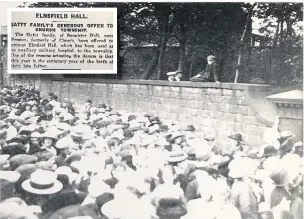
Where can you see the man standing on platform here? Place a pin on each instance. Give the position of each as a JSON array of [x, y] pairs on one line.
[[210, 73]]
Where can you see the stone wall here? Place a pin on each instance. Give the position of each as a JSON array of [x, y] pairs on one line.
[[220, 108]]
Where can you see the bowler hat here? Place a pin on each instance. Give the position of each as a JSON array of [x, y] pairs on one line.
[[269, 150]]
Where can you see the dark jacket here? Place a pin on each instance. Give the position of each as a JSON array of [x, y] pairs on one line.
[[73, 211], [210, 73], [63, 199]]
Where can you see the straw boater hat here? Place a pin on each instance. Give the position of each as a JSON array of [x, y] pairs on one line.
[[285, 134], [11, 176], [52, 132], [241, 167], [65, 171], [42, 182], [177, 156]]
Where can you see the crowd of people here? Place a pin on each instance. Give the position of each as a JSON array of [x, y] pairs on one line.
[[59, 161]]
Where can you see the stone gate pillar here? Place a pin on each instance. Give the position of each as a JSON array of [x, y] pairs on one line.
[[290, 109]]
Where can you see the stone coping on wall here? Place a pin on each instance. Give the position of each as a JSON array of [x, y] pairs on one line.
[[231, 86]]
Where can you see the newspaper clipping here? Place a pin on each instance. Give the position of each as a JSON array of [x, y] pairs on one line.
[[56, 41]]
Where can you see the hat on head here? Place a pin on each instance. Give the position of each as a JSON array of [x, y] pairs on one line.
[[264, 207], [68, 117], [292, 160], [176, 135], [202, 154], [44, 165], [197, 143], [176, 156], [22, 139], [52, 132], [21, 159], [298, 144], [3, 125], [42, 182], [280, 174], [64, 143], [36, 135], [14, 148], [4, 164], [11, 176], [187, 128], [81, 217], [241, 167], [211, 58], [26, 170], [76, 135], [269, 150], [65, 172], [209, 137], [19, 119], [3, 134], [298, 147], [285, 135], [236, 136], [147, 140]]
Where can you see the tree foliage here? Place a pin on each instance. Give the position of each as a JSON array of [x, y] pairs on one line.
[[201, 29]]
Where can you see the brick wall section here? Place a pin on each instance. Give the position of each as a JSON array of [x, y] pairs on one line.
[[220, 108]]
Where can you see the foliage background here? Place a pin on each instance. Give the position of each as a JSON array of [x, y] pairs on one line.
[[170, 36]]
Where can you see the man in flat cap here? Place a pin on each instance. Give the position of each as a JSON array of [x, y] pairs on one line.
[[210, 73]]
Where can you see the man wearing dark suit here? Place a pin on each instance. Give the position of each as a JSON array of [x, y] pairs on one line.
[[210, 74]]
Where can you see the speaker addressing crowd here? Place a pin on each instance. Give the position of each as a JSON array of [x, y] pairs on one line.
[[60, 160]]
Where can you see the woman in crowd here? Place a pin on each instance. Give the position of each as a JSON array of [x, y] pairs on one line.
[[92, 161]]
